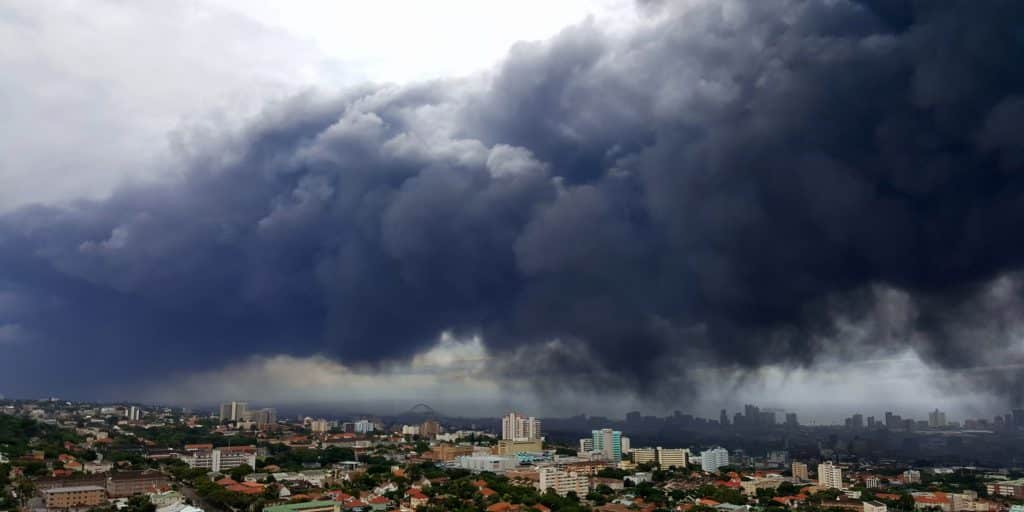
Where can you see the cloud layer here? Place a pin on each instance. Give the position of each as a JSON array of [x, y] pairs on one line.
[[736, 184]]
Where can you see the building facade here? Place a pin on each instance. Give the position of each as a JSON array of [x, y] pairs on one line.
[[609, 443], [672, 457], [830, 476], [563, 482], [800, 472], [74, 497], [233, 411], [517, 427], [713, 459]]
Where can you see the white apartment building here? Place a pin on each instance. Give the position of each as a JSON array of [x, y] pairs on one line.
[[516, 427], [713, 459], [672, 457], [563, 481], [830, 476], [221, 459], [492, 463], [410, 430]]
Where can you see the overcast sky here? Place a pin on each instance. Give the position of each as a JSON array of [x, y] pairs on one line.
[[573, 206]]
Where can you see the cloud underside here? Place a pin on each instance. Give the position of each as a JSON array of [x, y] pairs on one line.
[[734, 185]]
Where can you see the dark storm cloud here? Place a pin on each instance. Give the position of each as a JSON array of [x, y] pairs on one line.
[[728, 183]]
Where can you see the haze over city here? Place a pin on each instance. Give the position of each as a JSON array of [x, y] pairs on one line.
[[572, 207]]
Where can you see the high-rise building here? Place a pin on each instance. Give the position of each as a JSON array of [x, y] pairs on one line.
[[262, 417], [363, 427], [857, 421], [609, 443], [430, 429], [723, 418], [791, 420], [587, 444], [233, 411], [871, 422], [516, 427], [911, 476], [134, 413], [713, 459], [672, 457], [936, 419], [800, 472], [319, 426], [830, 476]]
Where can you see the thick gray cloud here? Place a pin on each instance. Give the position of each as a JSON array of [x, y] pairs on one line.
[[737, 184]]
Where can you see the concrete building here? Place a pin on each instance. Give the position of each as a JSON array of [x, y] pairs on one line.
[[129, 483], [713, 459], [430, 429], [1008, 488], [517, 427], [644, 456], [219, 459], [672, 457], [364, 427], [507, 447], [587, 444], [319, 426], [262, 417], [410, 430], [233, 411], [936, 419], [609, 443], [492, 463], [830, 476], [83, 496], [134, 413], [911, 476], [563, 482], [874, 506], [800, 472]]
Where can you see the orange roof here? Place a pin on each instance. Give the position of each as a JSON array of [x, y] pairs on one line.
[[244, 489], [541, 508], [379, 500], [488, 492], [936, 498], [226, 481], [707, 501], [415, 493], [502, 506], [887, 496]]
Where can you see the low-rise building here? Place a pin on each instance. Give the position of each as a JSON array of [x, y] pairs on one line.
[[74, 497], [130, 483], [1008, 488], [219, 459], [492, 463], [563, 482], [874, 506], [672, 457]]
